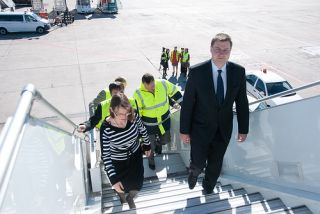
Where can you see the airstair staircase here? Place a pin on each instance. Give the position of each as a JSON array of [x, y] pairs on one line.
[[47, 167], [166, 191]]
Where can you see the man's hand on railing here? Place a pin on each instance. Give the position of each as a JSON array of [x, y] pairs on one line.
[[241, 137], [81, 128], [185, 138]]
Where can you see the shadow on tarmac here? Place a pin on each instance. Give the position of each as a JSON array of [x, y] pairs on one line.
[[22, 35], [180, 81], [96, 15]]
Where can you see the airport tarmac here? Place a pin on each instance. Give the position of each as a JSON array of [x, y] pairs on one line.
[[70, 65]]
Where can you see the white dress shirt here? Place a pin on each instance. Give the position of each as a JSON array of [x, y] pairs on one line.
[[223, 75]]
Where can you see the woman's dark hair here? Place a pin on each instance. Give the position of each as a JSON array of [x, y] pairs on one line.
[[147, 78], [121, 100]]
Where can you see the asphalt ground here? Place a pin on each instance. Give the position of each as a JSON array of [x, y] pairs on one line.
[[70, 65]]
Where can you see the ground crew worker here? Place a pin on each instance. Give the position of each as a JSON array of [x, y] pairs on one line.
[[167, 60], [164, 62], [187, 59], [184, 62], [102, 110], [162, 58], [153, 106], [174, 59], [105, 93], [181, 57]]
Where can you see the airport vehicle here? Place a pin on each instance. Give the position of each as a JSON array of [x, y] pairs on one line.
[[109, 6], [22, 22], [266, 83], [85, 6]]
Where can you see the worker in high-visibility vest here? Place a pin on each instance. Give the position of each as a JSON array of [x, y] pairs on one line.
[[164, 62], [105, 93], [102, 110], [153, 104], [181, 56], [162, 57], [185, 58], [174, 59]]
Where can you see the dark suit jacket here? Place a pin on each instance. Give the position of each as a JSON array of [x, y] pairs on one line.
[[201, 116]]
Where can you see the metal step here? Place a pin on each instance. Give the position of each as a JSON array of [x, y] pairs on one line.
[[160, 186], [181, 201], [157, 195], [205, 205], [166, 191], [264, 206], [148, 182], [156, 198], [165, 164], [295, 210]]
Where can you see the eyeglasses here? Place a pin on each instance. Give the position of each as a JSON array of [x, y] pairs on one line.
[[220, 51], [121, 114]]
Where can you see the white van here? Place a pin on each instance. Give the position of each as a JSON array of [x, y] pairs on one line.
[[22, 22]]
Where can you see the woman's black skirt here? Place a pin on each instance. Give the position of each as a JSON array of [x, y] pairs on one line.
[[130, 171]]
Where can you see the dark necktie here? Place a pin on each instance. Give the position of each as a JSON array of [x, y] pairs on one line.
[[220, 88]]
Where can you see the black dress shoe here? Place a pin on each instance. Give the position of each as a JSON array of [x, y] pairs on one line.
[[192, 181], [207, 189]]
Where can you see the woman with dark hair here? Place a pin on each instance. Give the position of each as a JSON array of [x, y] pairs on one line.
[[121, 150]]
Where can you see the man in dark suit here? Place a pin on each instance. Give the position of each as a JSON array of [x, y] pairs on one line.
[[206, 118]]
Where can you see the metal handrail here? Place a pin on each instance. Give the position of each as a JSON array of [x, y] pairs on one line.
[[9, 146], [286, 92], [49, 105]]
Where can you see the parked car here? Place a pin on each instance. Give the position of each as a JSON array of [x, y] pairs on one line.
[[22, 22], [257, 106], [253, 107], [266, 83]]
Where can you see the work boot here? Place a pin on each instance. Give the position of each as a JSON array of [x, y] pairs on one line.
[[130, 198], [122, 197], [158, 149], [151, 162]]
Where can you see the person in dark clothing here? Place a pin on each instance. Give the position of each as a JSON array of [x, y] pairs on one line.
[[164, 62], [206, 118], [121, 150]]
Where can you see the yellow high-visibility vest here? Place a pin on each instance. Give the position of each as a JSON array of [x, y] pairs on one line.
[[154, 106], [108, 94], [185, 57]]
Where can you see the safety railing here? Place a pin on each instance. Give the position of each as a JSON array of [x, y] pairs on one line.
[[9, 144], [316, 83]]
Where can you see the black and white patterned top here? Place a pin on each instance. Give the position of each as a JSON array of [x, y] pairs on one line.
[[118, 144]]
